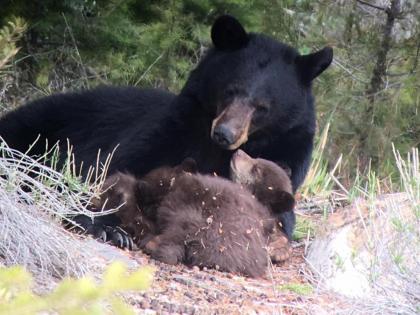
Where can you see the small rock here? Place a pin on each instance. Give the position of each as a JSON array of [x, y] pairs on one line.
[[155, 305], [189, 295], [145, 304]]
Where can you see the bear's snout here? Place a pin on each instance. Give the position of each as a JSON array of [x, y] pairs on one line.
[[223, 136], [230, 129]]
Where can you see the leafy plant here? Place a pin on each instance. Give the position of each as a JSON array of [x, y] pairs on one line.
[[9, 35], [71, 296]]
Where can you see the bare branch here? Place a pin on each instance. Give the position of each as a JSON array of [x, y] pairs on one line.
[[371, 5]]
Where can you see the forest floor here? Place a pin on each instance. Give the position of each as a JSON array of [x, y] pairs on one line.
[[183, 290]]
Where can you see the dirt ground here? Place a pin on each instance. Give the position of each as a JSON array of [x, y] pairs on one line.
[[183, 290]]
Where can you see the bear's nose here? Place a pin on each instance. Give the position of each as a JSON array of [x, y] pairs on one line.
[[223, 135]]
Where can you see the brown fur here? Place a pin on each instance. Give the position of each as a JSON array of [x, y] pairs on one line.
[[122, 191], [205, 220], [125, 192], [213, 223]]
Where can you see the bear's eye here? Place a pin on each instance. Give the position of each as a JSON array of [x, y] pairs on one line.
[[262, 108], [231, 92], [256, 170]]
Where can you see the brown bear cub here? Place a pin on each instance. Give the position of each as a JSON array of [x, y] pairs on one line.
[[202, 220]]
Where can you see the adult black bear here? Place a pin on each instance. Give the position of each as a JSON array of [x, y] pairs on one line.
[[179, 216], [248, 91]]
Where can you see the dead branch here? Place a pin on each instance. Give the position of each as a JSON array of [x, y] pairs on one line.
[[371, 5]]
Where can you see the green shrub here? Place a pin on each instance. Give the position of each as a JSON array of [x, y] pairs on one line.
[[9, 35], [71, 296]]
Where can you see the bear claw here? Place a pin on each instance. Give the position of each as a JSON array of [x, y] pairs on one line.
[[118, 237]]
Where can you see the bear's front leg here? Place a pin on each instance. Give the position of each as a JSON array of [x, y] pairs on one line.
[[103, 231], [165, 251], [279, 247], [119, 191]]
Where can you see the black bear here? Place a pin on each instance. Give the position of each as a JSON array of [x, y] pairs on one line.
[[248, 91], [179, 216]]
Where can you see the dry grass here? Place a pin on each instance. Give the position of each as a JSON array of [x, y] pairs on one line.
[[390, 230], [395, 242], [30, 219]]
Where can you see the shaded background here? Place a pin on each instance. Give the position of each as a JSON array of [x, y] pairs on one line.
[[368, 99]]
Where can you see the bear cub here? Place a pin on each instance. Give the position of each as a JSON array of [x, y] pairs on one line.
[[178, 215]]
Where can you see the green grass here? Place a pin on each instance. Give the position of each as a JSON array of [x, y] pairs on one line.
[[304, 226], [298, 288]]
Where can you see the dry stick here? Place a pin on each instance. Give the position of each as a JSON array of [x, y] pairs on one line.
[[371, 5], [148, 69], [338, 63]]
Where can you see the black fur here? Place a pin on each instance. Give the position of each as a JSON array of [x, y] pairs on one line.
[[154, 128]]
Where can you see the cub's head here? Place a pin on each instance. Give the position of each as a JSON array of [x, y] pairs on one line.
[[158, 182], [269, 182], [249, 83], [119, 190]]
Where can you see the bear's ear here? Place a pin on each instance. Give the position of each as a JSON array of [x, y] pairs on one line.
[[284, 202], [144, 193], [228, 34], [189, 165], [312, 65], [286, 168]]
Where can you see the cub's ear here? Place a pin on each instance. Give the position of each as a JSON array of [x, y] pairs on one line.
[[312, 65], [189, 165], [144, 193], [228, 34], [284, 202], [119, 181], [286, 168], [112, 180]]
